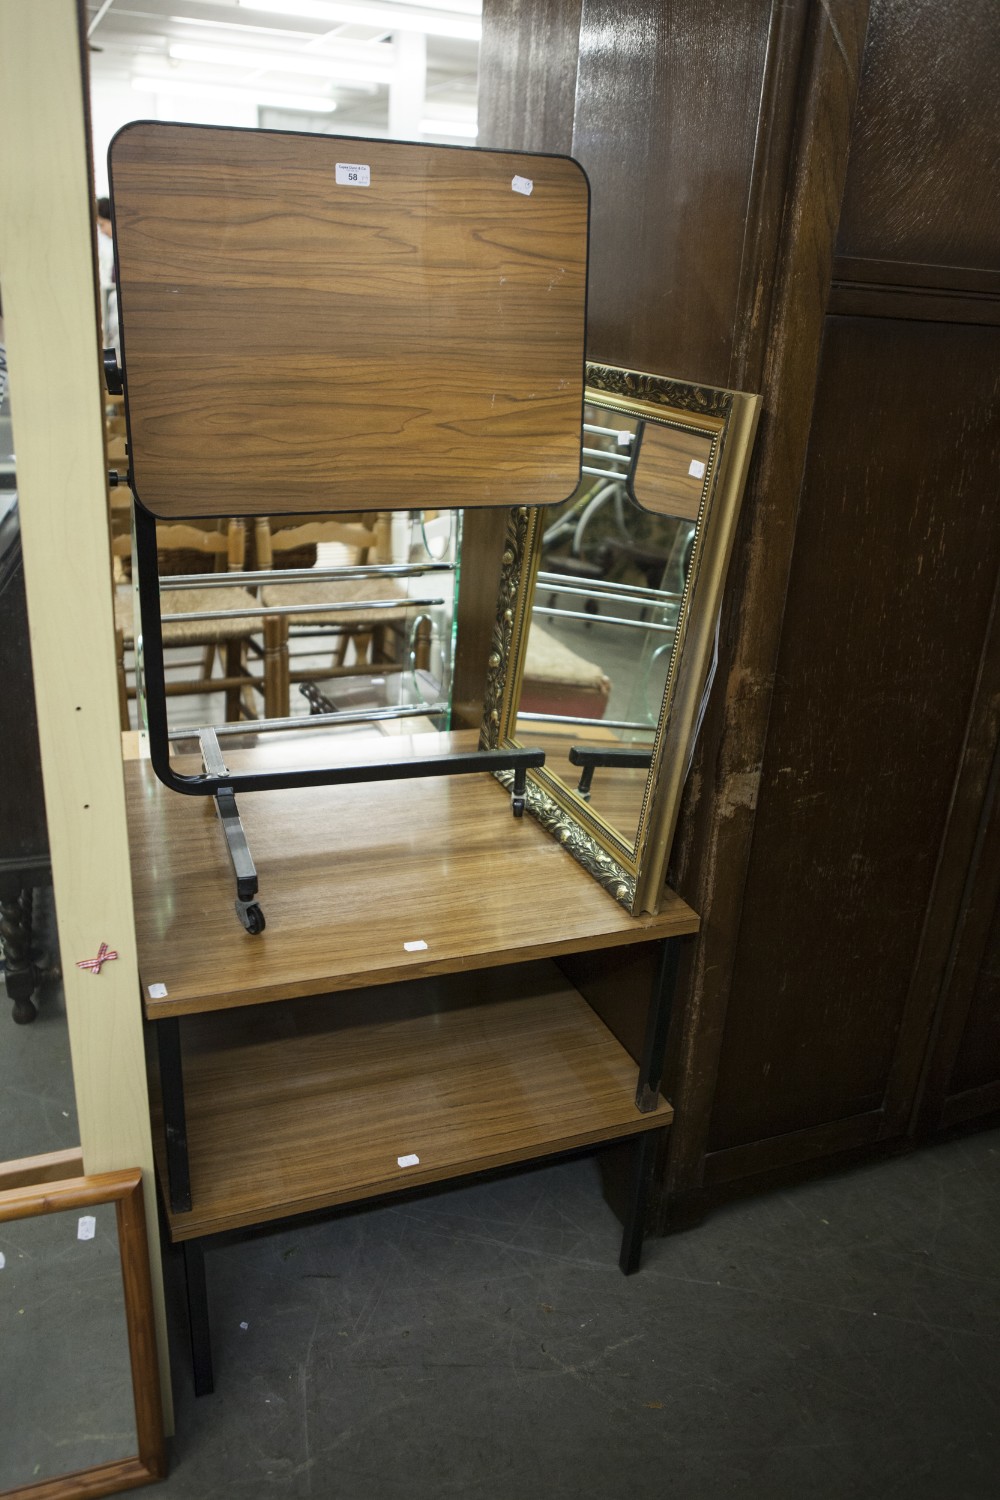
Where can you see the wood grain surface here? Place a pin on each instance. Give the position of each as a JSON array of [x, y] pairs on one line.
[[893, 580], [663, 481], [414, 343], [302, 1106], [666, 125], [806, 141], [616, 792], [53, 1166], [347, 876], [922, 184]]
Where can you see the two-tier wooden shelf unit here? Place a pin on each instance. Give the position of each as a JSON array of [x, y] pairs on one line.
[[400, 1022]]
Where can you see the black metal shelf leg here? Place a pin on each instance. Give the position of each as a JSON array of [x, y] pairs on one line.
[[168, 1043], [661, 1004], [635, 1221], [197, 1307]]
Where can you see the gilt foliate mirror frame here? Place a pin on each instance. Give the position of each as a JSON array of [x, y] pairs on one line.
[[633, 872]]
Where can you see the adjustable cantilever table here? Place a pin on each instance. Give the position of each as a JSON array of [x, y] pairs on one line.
[[401, 1020]]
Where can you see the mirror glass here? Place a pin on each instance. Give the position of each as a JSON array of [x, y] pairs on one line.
[[606, 614], [609, 584], [365, 607], [66, 1380]]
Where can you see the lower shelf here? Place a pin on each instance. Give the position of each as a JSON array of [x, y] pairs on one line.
[[312, 1103]]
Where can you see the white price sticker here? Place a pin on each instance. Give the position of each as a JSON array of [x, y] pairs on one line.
[[415, 947], [157, 992], [353, 174], [408, 1161], [87, 1227], [522, 185], [696, 469]]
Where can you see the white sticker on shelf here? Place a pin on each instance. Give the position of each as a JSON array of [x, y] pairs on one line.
[[408, 1161], [523, 185], [157, 992], [353, 174], [415, 947], [87, 1227], [696, 469]]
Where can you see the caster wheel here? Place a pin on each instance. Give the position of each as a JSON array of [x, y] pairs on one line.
[[251, 916]]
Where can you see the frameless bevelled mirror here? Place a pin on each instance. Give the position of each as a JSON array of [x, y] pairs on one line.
[[606, 618]]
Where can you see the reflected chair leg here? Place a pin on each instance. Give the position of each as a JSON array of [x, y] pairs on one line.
[[234, 669], [15, 938], [197, 1307], [277, 694], [422, 646], [635, 1220]]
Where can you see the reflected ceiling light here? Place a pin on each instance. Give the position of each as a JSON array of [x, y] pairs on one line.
[[241, 26], [463, 129], [383, 17], [319, 64], [311, 104]]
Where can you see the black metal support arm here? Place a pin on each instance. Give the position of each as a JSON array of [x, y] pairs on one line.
[[643, 1156], [589, 759], [168, 1043], [647, 1097], [661, 1004], [114, 375]]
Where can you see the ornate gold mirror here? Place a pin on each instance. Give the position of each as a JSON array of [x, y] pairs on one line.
[[606, 619]]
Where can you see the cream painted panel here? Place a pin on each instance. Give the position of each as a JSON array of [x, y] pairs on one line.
[[50, 311]]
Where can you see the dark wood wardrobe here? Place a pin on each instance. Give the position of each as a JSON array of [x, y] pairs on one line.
[[803, 199]]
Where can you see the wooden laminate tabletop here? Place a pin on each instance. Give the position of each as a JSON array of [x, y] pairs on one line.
[[311, 323], [351, 875]]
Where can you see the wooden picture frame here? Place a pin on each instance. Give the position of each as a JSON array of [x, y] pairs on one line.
[[40, 1185]]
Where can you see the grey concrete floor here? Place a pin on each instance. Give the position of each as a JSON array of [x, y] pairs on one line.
[[838, 1339]]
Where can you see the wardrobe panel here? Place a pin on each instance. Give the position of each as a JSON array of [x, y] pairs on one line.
[[892, 577], [922, 183], [527, 74], [666, 122]]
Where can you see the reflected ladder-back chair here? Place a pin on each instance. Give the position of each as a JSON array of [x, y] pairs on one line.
[[224, 628], [358, 604]]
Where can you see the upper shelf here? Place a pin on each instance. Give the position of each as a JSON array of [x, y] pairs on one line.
[[349, 876], [313, 323]]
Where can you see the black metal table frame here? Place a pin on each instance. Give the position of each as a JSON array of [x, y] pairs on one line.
[[177, 1188]]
